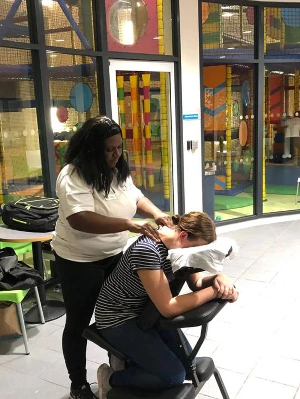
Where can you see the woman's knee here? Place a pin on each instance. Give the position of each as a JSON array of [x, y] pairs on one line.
[[175, 377]]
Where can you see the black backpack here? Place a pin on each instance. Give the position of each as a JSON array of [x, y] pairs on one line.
[[37, 214]]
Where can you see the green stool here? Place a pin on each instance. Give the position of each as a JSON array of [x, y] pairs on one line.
[[17, 297]]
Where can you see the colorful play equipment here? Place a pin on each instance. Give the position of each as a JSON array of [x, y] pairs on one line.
[[136, 130], [147, 128], [122, 121]]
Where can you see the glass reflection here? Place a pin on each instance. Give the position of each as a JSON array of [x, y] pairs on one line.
[[14, 21], [74, 97], [144, 104], [229, 139], [138, 26], [68, 23], [282, 32], [282, 136], [228, 30], [20, 159]]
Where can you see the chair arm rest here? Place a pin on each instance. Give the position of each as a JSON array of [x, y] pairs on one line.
[[196, 317]]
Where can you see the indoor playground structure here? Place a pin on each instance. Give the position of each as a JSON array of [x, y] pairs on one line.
[[229, 104], [144, 124], [142, 97]]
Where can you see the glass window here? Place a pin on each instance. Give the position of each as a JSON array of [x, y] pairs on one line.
[[138, 26], [229, 138], [68, 23], [14, 21], [20, 159], [282, 32], [227, 31], [282, 136], [74, 97], [144, 116]]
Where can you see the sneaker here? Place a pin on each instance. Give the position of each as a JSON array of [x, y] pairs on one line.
[[103, 374], [116, 363], [83, 392]]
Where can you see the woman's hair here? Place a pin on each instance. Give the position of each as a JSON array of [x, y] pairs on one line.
[[197, 225], [86, 152]]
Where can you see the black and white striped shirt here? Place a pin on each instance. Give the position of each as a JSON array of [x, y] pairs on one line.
[[123, 296]]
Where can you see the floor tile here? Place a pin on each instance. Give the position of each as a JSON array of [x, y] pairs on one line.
[[232, 381], [278, 369], [253, 342], [257, 388]]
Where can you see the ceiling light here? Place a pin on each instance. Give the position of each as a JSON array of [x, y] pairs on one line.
[[47, 3], [227, 14]]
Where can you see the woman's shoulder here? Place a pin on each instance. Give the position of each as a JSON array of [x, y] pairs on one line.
[[147, 245], [70, 177]]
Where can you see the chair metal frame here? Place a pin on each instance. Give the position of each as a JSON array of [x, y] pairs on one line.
[[17, 296]]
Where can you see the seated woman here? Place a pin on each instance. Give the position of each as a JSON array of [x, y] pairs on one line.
[[145, 272]]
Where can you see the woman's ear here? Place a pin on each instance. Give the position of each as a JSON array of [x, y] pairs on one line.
[[183, 235]]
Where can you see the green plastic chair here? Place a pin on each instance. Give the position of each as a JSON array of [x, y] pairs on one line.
[[21, 248], [17, 296]]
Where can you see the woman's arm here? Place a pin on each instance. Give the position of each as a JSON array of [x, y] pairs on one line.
[[94, 223], [147, 209], [220, 281], [158, 289]]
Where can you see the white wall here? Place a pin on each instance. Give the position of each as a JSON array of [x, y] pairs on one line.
[[189, 32]]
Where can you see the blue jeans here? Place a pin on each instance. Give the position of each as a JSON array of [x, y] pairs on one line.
[[157, 356]]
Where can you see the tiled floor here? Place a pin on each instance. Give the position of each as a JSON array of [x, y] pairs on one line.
[[254, 342]]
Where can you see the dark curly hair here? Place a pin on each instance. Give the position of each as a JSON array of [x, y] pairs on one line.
[[86, 152], [197, 225]]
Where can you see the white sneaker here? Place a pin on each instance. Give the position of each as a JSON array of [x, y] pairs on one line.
[[116, 363], [104, 373]]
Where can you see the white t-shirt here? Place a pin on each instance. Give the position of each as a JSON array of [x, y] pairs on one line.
[[76, 196]]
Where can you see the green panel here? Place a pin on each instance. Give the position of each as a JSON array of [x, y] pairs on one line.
[[213, 37]]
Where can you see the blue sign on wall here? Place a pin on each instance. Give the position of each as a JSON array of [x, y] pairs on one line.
[[189, 117]]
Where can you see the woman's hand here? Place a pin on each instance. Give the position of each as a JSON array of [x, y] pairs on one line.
[[162, 219], [143, 227], [225, 288]]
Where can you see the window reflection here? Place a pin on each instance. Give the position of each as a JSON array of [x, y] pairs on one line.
[[14, 21], [282, 136], [229, 137], [74, 97], [282, 27], [21, 170], [144, 119], [68, 23], [138, 26], [228, 30]]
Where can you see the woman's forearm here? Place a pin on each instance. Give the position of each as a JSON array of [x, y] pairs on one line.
[[204, 282], [147, 209], [92, 222], [186, 302]]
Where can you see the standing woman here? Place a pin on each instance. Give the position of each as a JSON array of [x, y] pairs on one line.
[[97, 203]]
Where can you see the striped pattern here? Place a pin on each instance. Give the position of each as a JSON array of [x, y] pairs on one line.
[[215, 97], [276, 99], [122, 296]]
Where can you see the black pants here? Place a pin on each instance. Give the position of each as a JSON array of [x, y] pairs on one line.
[[80, 283]]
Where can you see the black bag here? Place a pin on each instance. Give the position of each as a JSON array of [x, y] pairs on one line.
[[31, 214], [14, 274]]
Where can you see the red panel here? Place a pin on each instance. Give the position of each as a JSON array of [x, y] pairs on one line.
[[146, 44], [275, 98]]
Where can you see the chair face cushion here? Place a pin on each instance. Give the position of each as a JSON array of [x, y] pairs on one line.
[[208, 257]]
